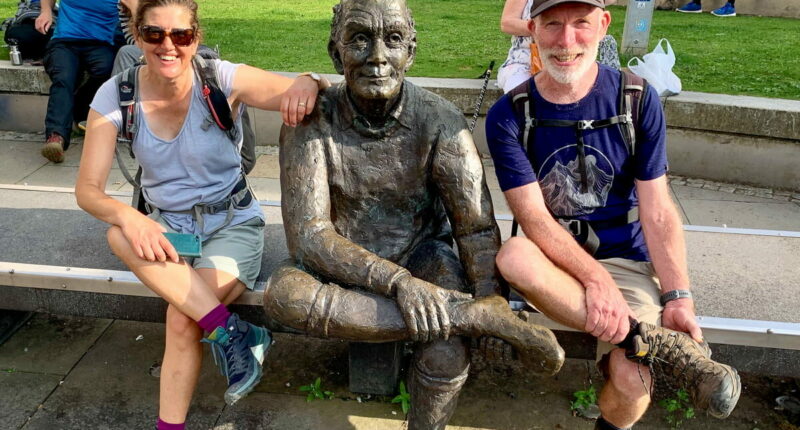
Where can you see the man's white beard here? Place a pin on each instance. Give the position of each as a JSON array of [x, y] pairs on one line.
[[564, 75]]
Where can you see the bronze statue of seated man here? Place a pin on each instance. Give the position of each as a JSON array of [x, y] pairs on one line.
[[371, 185]]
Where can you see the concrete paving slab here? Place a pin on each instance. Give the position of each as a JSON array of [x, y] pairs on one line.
[[22, 394], [19, 160], [72, 158], [111, 387], [50, 344], [65, 176], [266, 188], [717, 208], [266, 167], [285, 370], [288, 412], [745, 276], [686, 193]]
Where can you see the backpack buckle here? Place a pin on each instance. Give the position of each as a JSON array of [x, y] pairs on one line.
[[573, 226], [585, 124]]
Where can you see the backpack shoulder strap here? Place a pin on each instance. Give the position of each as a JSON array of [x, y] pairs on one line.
[[631, 91], [215, 98], [128, 97], [522, 105]]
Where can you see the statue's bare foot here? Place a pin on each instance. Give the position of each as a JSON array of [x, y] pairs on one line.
[[536, 346]]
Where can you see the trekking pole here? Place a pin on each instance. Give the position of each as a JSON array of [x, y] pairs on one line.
[[486, 75]]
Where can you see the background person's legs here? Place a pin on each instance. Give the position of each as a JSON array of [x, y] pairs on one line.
[[62, 64], [97, 60], [31, 43], [127, 56]]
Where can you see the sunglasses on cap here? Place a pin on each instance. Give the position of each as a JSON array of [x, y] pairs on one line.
[[155, 34]]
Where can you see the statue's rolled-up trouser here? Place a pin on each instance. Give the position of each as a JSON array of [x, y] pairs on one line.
[[299, 300]]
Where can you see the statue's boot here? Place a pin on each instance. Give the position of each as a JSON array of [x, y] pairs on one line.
[[712, 386], [535, 345], [438, 371], [296, 299]]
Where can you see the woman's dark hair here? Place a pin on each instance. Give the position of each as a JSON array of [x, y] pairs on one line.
[[146, 5]]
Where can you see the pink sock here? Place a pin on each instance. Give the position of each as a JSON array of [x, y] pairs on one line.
[[163, 425], [218, 317]]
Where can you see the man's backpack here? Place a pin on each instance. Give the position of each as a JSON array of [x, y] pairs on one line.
[[219, 113], [629, 111]]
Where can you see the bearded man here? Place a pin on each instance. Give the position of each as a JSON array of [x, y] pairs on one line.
[[617, 270]]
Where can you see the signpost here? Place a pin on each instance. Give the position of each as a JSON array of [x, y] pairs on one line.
[[638, 22]]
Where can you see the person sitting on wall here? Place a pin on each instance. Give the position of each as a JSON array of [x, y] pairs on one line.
[[82, 41], [193, 182], [21, 31], [603, 250]]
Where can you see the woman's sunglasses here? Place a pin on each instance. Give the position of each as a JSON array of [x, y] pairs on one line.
[[155, 34]]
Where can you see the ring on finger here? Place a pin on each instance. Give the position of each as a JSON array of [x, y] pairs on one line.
[[301, 104]]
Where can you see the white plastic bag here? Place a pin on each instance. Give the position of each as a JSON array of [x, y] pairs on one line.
[[656, 68]]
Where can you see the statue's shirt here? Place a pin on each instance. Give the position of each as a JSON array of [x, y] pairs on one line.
[[381, 177]]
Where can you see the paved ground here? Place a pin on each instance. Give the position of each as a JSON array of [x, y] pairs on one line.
[[80, 373]]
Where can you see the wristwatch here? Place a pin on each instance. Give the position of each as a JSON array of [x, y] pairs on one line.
[[322, 83], [675, 295], [312, 75]]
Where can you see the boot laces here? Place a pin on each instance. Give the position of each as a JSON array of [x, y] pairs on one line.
[[668, 356], [236, 355]]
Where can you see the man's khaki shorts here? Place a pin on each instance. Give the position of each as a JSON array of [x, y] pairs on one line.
[[640, 288], [234, 249]]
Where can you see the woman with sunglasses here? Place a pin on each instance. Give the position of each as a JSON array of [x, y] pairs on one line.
[[188, 164]]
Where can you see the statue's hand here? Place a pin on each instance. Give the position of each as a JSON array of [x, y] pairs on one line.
[[424, 309]]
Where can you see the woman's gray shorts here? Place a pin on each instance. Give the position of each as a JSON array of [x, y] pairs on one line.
[[236, 250]]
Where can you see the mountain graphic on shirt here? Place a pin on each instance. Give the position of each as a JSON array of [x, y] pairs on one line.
[[561, 187]]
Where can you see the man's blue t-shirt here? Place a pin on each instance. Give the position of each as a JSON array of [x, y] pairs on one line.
[[87, 19], [554, 161]]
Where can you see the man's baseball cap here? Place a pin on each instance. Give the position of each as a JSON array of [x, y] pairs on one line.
[[540, 6]]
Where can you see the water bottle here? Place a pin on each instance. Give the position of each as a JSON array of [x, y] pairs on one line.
[[16, 56]]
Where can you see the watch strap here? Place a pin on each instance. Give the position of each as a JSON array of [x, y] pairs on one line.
[[311, 75], [675, 295]]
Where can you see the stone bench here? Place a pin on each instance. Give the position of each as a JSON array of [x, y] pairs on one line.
[[55, 259], [725, 138]]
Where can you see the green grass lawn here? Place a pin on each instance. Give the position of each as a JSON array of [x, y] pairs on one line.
[[458, 38]]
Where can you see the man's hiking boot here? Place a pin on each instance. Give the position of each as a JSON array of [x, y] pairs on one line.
[[53, 148], [239, 349], [690, 7], [677, 357]]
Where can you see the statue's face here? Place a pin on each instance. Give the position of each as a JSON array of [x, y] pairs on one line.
[[374, 48]]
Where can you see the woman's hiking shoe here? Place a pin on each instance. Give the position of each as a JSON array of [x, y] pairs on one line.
[[712, 386], [727, 10], [690, 7], [53, 148], [239, 349]]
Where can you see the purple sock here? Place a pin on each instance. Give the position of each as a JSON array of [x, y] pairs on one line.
[[218, 317], [163, 425]]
